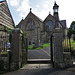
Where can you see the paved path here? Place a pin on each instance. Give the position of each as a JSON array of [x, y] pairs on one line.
[[44, 71], [41, 69], [37, 66], [39, 54]]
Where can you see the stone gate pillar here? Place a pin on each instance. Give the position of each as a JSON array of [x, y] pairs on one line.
[[58, 49], [16, 49]]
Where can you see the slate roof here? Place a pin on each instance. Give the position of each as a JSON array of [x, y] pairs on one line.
[[63, 22]]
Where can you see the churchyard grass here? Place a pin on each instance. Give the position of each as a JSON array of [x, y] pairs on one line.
[[46, 45], [31, 47]]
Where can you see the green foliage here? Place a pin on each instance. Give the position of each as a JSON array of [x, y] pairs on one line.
[[46, 45], [30, 47], [73, 45], [72, 27], [71, 30]]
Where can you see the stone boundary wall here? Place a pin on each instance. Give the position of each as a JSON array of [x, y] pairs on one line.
[[4, 62], [67, 59]]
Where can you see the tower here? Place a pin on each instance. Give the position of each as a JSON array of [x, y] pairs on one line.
[[55, 11], [56, 15]]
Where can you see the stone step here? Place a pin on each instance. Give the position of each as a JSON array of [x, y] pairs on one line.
[[39, 61], [37, 66]]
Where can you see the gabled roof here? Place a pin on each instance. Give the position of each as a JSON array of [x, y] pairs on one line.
[[48, 17], [30, 13], [20, 22], [5, 15]]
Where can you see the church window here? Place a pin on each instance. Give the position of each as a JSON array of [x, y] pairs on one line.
[[30, 25], [49, 26]]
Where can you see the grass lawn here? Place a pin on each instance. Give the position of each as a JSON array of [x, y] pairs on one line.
[[31, 47]]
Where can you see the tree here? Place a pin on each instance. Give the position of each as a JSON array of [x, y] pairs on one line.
[[72, 27], [71, 30]]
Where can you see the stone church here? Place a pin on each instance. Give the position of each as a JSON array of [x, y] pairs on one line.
[[39, 31]]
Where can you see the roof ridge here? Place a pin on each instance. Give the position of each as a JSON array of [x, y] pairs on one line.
[[37, 17]]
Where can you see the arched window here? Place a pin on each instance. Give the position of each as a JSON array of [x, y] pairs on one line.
[[30, 24], [49, 26]]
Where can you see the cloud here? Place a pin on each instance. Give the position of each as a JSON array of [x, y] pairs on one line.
[[14, 3], [23, 8], [43, 9]]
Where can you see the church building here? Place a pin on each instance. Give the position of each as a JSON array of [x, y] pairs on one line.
[[39, 31]]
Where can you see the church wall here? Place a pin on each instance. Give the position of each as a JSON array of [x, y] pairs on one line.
[[32, 35], [39, 34]]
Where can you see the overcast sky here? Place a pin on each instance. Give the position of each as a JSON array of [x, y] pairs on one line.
[[41, 8]]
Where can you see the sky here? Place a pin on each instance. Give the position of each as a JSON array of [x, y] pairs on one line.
[[20, 8]]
